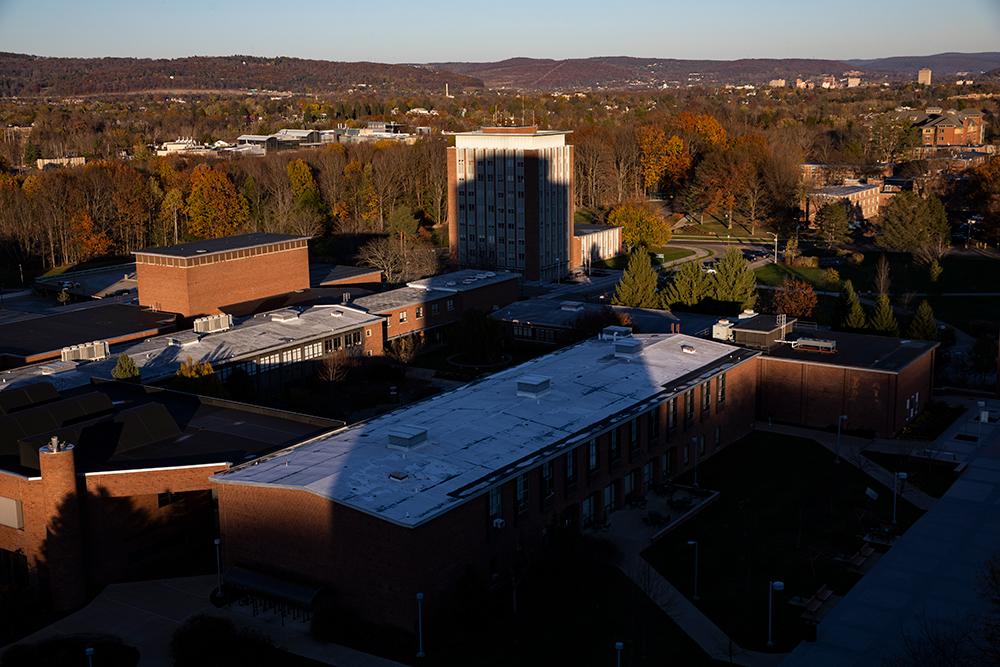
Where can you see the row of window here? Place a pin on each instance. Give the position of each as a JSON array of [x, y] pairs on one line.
[[418, 311], [267, 362]]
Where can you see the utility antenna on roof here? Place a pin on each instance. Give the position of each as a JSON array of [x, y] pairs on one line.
[[782, 319]]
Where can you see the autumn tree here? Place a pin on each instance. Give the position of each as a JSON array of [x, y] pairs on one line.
[[688, 286], [637, 287], [86, 241], [913, 224], [734, 280], [385, 254], [653, 156], [642, 225], [834, 227], [214, 207], [796, 298], [171, 208]]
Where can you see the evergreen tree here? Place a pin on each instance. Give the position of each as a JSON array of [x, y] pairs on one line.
[[923, 326], [854, 318], [734, 280], [637, 288], [125, 368], [834, 225], [688, 286], [883, 319]]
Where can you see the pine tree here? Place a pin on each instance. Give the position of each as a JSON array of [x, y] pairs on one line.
[[125, 368], [883, 319], [834, 225], [854, 314], [734, 280], [637, 288], [688, 286], [923, 326]]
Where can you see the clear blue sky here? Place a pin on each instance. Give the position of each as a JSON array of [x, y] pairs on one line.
[[438, 30]]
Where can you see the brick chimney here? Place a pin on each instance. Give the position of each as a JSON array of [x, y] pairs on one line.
[[62, 553]]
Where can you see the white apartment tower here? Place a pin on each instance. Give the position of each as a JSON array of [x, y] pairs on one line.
[[510, 201]]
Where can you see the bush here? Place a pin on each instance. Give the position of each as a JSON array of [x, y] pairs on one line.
[[805, 262], [832, 277], [856, 258]]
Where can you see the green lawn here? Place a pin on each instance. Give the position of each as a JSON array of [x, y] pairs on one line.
[[785, 511], [775, 274], [670, 253]]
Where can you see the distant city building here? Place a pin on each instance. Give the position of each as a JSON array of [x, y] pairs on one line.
[[924, 77], [853, 81], [510, 201], [776, 83], [199, 277]]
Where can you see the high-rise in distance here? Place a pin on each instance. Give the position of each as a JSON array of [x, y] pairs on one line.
[[510, 201]]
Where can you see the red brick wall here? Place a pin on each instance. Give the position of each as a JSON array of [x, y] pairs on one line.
[[202, 289]]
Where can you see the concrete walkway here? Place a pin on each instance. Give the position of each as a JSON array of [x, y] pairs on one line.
[[145, 614]]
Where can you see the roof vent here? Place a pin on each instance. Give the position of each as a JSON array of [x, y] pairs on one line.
[[571, 306], [747, 314], [286, 315], [615, 332], [397, 475], [533, 386], [450, 283], [406, 438], [688, 349], [213, 323], [628, 348], [337, 313], [815, 345]]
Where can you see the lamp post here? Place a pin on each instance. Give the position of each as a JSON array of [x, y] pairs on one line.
[[775, 246], [694, 543], [89, 652], [420, 625], [771, 588], [218, 561], [618, 653], [840, 420], [896, 479]]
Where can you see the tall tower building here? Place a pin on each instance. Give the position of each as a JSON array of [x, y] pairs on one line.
[[510, 201], [924, 77]]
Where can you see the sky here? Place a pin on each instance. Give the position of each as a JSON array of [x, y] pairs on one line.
[[437, 30]]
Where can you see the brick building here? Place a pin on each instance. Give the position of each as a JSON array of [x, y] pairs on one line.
[[510, 201], [952, 128], [863, 200], [594, 243], [197, 278], [126, 495], [465, 486]]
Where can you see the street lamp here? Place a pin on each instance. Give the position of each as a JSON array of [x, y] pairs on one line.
[[772, 587], [775, 246], [89, 652], [694, 543], [618, 653], [218, 561], [840, 420], [897, 478], [420, 625]]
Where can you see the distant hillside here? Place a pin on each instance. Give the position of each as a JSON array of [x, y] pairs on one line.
[[940, 63], [34, 75], [627, 72]]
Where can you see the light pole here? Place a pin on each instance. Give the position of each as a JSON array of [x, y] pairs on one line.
[[694, 543], [771, 588], [896, 479], [218, 561], [618, 653], [775, 246], [89, 652], [840, 420], [420, 625]]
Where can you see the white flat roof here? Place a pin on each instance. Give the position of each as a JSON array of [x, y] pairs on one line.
[[483, 433], [161, 356]]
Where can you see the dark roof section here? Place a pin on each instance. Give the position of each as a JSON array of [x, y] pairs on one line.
[[13, 400], [582, 229], [760, 323], [114, 323], [314, 296], [148, 427], [331, 274], [877, 353], [48, 417], [224, 244]]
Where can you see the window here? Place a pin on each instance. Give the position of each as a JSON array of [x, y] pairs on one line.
[[420, 312], [688, 407], [592, 455], [450, 305], [522, 493], [720, 384], [629, 484], [687, 455], [587, 511], [571, 467], [654, 424], [368, 333], [672, 414], [495, 507], [706, 396], [665, 463], [633, 433], [166, 498], [548, 480], [609, 498], [313, 350], [614, 452], [402, 316], [435, 308], [701, 445], [718, 437]]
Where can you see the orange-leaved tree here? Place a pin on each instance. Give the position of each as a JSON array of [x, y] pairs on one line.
[[214, 207]]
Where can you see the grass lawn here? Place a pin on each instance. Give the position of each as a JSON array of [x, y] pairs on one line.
[[786, 511], [775, 274], [717, 228], [670, 253], [931, 477]]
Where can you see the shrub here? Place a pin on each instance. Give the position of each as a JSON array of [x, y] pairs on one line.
[[805, 262], [831, 277], [856, 258]]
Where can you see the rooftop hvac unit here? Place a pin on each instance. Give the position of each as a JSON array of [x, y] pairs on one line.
[[722, 330], [94, 351], [615, 332], [571, 306], [533, 386], [628, 348], [213, 323], [287, 315], [406, 438], [815, 345], [747, 314]]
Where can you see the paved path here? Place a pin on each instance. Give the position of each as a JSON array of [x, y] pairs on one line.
[[145, 615], [924, 593]]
